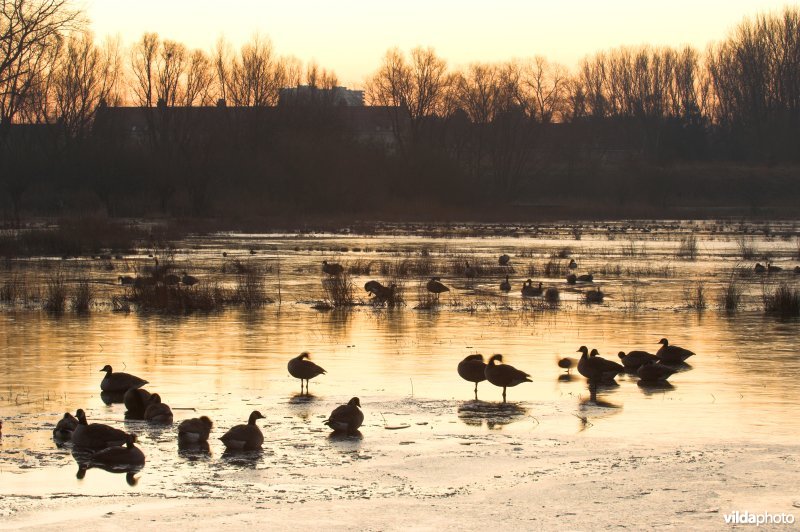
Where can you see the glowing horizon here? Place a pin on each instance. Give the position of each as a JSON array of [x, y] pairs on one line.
[[350, 37]]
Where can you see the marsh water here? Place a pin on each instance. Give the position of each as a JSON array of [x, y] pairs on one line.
[[401, 362]]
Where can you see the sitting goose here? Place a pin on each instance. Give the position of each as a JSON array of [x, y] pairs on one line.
[[597, 368], [503, 260], [529, 291], [672, 354], [572, 278], [129, 455], [759, 268], [119, 381], [585, 278], [566, 363], [156, 411], [302, 368], [188, 280], [65, 427], [504, 375], [634, 359], [773, 269], [473, 369], [136, 401], [126, 280], [346, 418], [505, 286], [194, 430], [95, 436], [332, 268], [654, 371], [245, 437]]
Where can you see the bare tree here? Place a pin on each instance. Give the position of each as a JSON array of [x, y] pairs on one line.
[[143, 66], [199, 79], [169, 72], [28, 31]]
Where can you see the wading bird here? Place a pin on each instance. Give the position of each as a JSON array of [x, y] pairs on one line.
[[473, 369], [503, 375], [302, 368], [435, 286]]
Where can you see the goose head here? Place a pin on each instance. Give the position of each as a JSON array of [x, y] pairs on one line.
[[594, 353], [498, 357], [254, 415], [583, 349], [354, 402], [664, 342], [107, 369]]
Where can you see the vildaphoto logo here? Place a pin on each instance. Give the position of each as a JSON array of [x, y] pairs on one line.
[[764, 518]]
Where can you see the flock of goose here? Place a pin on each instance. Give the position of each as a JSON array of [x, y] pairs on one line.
[[651, 368], [100, 445]]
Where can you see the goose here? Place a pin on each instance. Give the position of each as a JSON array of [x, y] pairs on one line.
[[95, 436], [759, 268], [572, 278], [171, 279], [119, 382], [117, 456], [635, 359], [566, 363], [504, 375], [136, 400], [435, 286], [773, 269], [189, 280], [672, 354], [126, 280], [597, 368], [654, 371], [585, 278], [302, 368], [244, 437], [529, 291], [156, 411], [65, 427], [797, 269], [505, 286], [332, 268], [373, 287], [473, 369], [503, 260], [551, 295], [572, 264], [194, 430], [470, 272], [346, 418]]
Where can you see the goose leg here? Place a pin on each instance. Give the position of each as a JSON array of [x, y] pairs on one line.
[[504, 394], [476, 391]]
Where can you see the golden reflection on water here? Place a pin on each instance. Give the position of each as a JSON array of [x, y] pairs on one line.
[[402, 364]]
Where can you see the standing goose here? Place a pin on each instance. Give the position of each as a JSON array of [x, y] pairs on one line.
[[244, 437], [672, 354], [302, 368], [65, 427], [129, 455], [470, 272], [473, 369], [373, 287], [654, 371], [635, 359], [332, 268], [503, 260], [136, 401], [505, 286], [95, 436], [504, 375], [435, 286], [346, 418], [119, 381], [572, 264], [194, 430], [156, 411], [189, 280], [585, 278], [596, 368]]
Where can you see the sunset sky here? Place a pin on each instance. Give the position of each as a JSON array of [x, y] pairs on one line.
[[351, 36]]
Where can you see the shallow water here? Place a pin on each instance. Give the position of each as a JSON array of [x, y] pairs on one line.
[[400, 362]]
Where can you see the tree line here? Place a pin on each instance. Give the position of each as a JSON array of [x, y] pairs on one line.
[[505, 132]]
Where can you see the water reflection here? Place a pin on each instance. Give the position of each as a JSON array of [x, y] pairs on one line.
[[110, 398], [495, 415], [194, 451], [242, 459], [657, 387], [85, 463]]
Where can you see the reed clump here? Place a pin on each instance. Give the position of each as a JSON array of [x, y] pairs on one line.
[[747, 248], [694, 296], [783, 301], [250, 290], [339, 290], [688, 248], [84, 296], [14, 289], [594, 296], [55, 295], [730, 298]]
